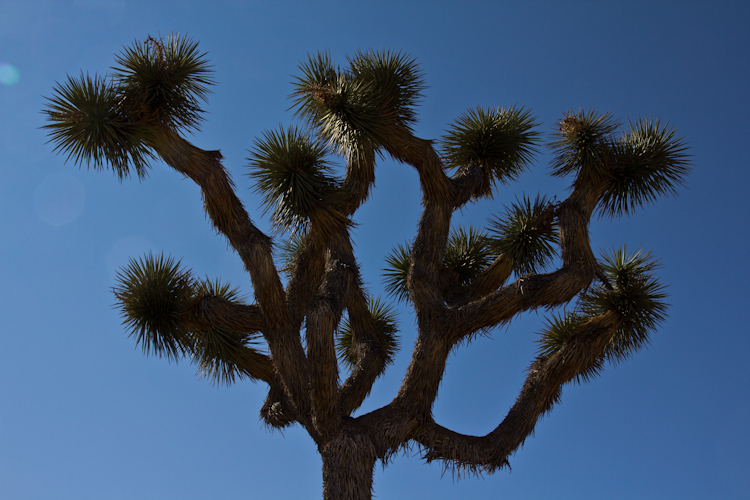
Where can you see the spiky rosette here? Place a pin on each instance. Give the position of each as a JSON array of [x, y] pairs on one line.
[[396, 83], [559, 328], [636, 296], [584, 141], [152, 293], [290, 171], [165, 81], [90, 125], [500, 140], [290, 250], [386, 328], [467, 254], [396, 273], [647, 162], [363, 106], [526, 233]]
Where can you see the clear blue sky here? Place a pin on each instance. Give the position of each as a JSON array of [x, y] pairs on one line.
[[84, 415]]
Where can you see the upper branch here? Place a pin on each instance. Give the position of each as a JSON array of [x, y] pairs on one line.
[[254, 248]]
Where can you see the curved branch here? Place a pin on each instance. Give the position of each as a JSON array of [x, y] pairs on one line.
[[542, 389], [578, 270], [371, 358], [254, 248]]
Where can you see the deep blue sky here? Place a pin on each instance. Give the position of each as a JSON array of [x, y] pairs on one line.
[[84, 415]]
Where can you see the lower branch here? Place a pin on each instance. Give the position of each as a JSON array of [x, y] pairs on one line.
[[542, 389]]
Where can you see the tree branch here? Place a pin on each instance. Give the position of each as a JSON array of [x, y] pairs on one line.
[[254, 248], [583, 352], [371, 358], [578, 270]]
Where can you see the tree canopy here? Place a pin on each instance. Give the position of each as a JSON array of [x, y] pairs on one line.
[[314, 333]]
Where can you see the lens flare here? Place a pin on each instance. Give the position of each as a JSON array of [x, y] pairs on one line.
[[9, 74], [59, 199]]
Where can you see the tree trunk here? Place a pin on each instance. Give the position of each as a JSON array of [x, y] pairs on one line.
[[348, 463]]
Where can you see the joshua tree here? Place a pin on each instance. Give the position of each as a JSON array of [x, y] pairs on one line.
[[313, 324]]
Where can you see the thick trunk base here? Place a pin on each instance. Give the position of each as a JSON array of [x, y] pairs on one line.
[[348, 463]]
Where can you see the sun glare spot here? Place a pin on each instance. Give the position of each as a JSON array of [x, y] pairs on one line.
[[59, 199], [9, 74]]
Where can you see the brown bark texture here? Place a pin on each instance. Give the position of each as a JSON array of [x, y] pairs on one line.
[[303, 373]]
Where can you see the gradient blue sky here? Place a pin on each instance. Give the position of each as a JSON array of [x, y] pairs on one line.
[[84, 415]]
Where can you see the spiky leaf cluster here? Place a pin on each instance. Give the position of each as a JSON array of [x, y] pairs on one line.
[[634, 294], [467, 254], [396, 272], [291, 172], [501, 140], [647, 162], [108, 122], [152, 293], [218, 351], [165, 81], [526, 232], [90, 125], [290, 250], [362, 106], [386, 328], [583, 143]]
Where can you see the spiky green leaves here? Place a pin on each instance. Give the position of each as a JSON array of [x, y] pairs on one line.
[[467, 254], [635, 296], [526, 233], [386, 329], [648, 162], [290, 171], [396, 272], [107, 122], [645, 163], [165, 80], [584, 141], [500, 140], [90, 125], [364, 106], [395, 80], [154, 295]]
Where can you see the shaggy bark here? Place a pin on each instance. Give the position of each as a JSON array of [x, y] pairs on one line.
[[304, 385]]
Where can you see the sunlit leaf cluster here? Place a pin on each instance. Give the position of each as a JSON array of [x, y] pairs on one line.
[[583, 143], [386, 328], [164, 80], [396, 272], [501, 140], [290, 171], [467, 254], [363, 106], [526, 233]]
